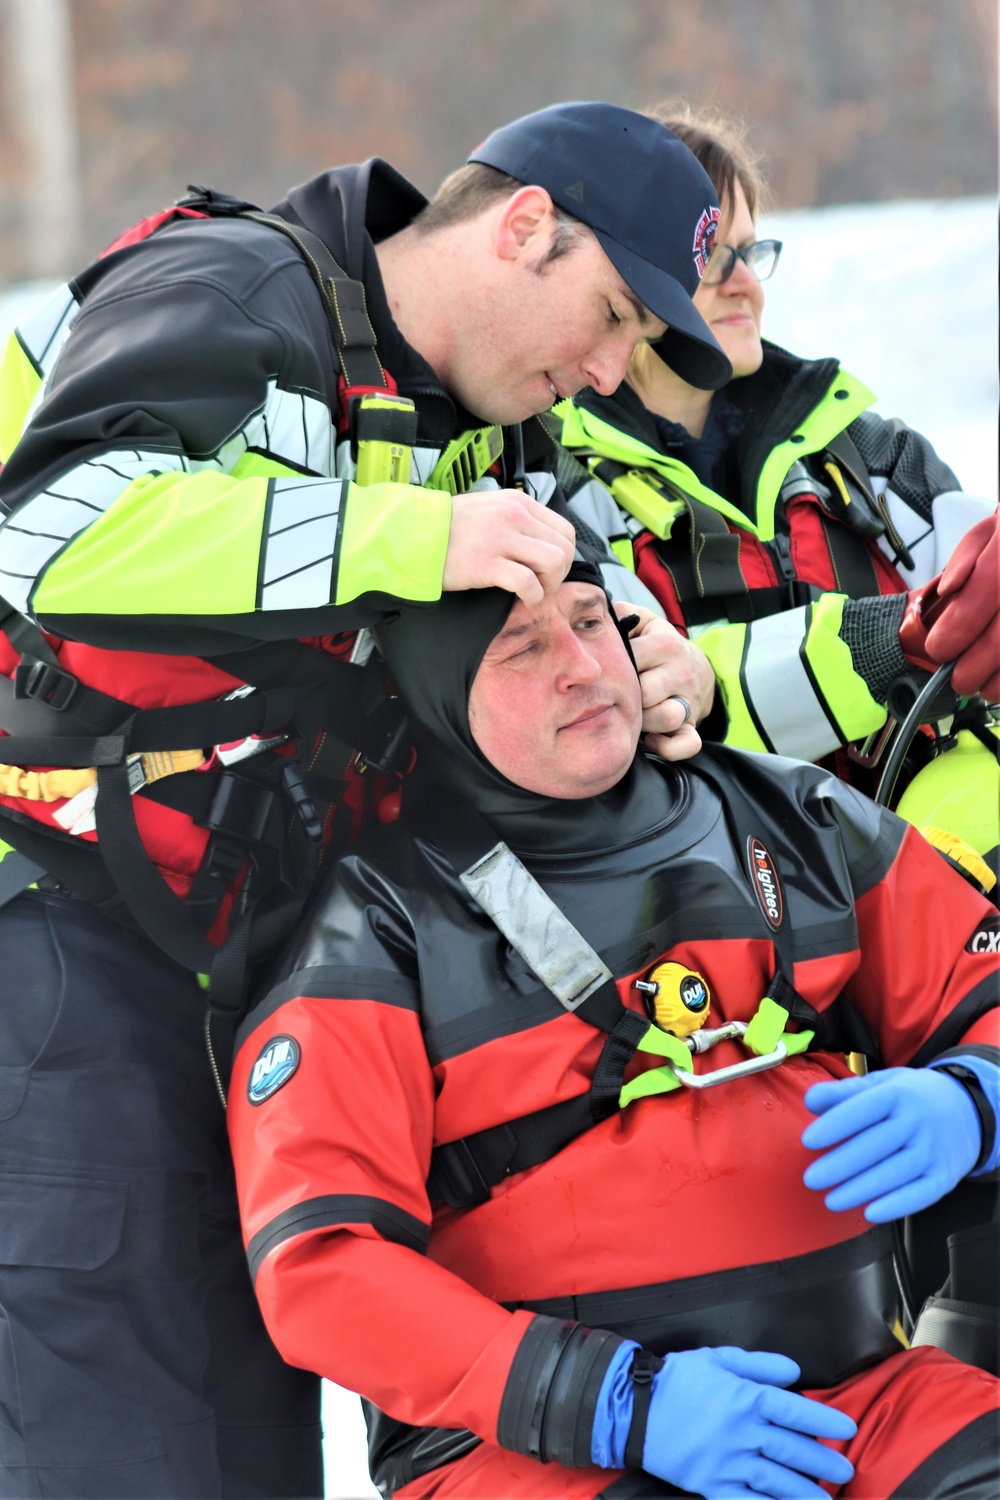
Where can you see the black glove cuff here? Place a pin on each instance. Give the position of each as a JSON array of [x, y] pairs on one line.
[[644, 1366]]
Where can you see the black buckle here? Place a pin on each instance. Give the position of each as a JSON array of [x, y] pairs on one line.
[[240, 808], [46, 684], [387, 738], [224, 859], [455, 1177]]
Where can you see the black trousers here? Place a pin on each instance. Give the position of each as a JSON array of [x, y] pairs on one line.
[[133, 1359]]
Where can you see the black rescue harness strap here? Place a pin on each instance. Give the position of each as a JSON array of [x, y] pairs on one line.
[[53, 719], [464, 1171]]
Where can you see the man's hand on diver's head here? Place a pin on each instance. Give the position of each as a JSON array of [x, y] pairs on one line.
[[504, 539], [671, 669]]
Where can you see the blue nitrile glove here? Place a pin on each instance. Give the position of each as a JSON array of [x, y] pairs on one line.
[[721, 1426], [909, 1135]]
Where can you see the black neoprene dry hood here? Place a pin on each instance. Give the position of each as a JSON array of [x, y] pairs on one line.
[[433, 655]]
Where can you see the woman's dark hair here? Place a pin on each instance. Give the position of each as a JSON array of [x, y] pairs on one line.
[[719, 142]]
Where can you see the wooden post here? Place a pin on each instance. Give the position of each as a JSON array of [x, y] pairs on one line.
[[38, 63]]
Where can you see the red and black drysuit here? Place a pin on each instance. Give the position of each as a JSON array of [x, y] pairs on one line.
[[405, 1023]]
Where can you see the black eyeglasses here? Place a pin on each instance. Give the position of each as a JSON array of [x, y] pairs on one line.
[[761, 257]]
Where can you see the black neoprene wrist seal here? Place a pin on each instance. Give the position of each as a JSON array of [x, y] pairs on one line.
[[970, 1082], [644, 1366], [550, 1399]]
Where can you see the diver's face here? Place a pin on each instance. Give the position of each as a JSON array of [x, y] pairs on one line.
[[556, 705]]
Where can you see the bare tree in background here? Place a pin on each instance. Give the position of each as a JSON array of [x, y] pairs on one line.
[[37, 62]]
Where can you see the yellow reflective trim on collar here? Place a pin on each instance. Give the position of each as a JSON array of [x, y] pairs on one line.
[[584, 434], [830, 415]]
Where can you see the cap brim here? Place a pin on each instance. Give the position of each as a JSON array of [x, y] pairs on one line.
[[687, 346]]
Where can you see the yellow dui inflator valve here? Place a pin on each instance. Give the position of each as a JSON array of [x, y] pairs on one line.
[[676, 998]]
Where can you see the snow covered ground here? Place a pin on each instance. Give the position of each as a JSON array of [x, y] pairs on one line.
[[905, 294]]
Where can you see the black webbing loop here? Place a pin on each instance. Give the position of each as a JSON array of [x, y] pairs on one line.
[[616, 1054], [463, 1172], [645, 1365], [150, 900], [17, 873]]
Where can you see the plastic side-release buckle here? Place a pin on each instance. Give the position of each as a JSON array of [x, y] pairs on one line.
[[455, 1177], [240, 809], [45, 684]]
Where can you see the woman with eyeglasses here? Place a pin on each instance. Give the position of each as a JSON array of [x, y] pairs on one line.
[[778, 520]]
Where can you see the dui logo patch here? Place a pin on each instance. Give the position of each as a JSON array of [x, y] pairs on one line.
[[764, 877], [274, 1066], [986, 938], [705, 231]]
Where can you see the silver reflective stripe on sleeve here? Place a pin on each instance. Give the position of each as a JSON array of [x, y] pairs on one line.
[[293, 428], [535, 927], [300, 543], [44, 525], [779, 691]]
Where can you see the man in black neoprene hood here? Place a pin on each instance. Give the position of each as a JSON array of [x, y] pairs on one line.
[[544, 1135]]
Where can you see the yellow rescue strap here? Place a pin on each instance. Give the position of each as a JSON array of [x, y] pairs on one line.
[[52, 786]]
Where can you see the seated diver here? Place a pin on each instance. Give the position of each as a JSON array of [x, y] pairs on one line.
[[544, 1137]]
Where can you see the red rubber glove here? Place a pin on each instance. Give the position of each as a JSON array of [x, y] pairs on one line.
[[956, 617], [966, 624]]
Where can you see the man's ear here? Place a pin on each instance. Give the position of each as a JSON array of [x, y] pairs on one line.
[[524, 226]]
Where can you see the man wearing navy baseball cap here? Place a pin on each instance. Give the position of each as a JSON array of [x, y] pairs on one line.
[[226, 454], [652, 211], [570, 235]]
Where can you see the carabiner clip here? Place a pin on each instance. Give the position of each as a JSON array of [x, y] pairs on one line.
[[705, 1039], [736, 1070]]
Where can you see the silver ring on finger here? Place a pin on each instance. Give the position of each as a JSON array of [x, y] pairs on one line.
[[676, 698]]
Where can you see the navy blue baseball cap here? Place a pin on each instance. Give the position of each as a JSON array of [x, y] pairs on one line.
[[648, 200]]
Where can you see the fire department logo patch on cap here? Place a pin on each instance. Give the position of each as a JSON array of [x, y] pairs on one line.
[[274, 1066], [766, 886], [705, 231]]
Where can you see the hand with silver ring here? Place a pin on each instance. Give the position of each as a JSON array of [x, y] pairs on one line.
[[672, 671]]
